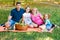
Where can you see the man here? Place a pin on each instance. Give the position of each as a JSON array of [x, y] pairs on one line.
[[15, 16]]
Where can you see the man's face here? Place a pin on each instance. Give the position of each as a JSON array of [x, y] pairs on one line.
[[18, 6]]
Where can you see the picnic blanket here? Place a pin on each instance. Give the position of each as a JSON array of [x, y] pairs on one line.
[[28, 30]]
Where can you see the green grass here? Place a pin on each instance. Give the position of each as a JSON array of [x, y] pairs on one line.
[[30, 35], [55, 18]]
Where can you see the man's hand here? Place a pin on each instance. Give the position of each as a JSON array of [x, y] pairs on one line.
[[7, 24]]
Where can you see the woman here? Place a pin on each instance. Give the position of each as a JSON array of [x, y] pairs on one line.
[[37, 18]]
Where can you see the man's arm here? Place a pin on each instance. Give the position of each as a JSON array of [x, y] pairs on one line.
[[9, 17], [7, 23]]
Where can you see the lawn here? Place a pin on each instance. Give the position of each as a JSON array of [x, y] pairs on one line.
[[55, 19]]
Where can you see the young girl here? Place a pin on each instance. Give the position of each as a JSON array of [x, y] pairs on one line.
[[49, 25], [27, 17]]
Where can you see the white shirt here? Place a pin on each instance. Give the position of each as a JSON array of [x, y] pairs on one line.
[[27, 18]]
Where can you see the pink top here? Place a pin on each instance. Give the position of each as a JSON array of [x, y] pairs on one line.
[[37, 19]]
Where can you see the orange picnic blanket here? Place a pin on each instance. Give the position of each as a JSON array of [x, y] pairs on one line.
[[28, 30]]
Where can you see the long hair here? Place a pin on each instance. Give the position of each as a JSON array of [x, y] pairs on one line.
[[27, 7]]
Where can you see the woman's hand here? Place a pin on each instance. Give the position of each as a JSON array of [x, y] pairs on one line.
[[35, 25]]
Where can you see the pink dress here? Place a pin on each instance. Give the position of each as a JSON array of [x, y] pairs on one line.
[[37, 19]]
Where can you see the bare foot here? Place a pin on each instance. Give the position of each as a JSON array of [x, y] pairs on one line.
[[50, 31], [5, 29], [39, 30]]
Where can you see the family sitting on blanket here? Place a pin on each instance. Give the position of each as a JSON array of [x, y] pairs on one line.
[[33, 18]]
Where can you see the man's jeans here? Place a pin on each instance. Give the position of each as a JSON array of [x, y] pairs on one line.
[[11, 22]]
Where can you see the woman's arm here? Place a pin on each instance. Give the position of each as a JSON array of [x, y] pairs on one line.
[[41, 16]]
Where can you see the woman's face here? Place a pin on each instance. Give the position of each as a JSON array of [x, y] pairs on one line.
[[27, 9], [34, 10]]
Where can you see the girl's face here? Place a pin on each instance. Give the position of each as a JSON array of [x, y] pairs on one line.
[[46, 16], [27, 9]]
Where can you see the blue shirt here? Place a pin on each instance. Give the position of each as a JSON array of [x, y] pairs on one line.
[[49, 24], [17, 15]]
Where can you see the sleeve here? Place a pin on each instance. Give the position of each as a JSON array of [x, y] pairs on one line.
[[40, 14], [23, 11], [23, 14], [47, 21], [12, 13]]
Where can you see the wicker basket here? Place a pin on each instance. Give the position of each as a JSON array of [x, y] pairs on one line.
[[20, 27]]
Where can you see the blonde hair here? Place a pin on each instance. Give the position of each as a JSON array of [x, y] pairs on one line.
[[35, 9]]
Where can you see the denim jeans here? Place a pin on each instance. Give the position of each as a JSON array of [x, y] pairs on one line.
[[11, 22]]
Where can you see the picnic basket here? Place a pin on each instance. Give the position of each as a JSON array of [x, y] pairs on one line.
[[20, 27]]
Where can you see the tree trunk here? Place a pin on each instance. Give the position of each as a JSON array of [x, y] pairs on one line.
[[14, 2]]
